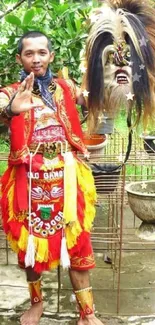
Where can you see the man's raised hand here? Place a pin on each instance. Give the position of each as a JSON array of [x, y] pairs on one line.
[[23, 99]]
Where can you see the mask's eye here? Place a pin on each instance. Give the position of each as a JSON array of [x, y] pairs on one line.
[[110, 58], [121, 54], [127, 56]]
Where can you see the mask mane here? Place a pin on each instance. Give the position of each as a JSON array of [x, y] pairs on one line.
[[121, 42]]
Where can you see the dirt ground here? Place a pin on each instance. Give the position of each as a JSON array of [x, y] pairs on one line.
[[134, 303]]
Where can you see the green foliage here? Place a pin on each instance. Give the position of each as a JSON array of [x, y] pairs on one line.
[[14, 20], [65, 23], [4, 147], [28, 16]]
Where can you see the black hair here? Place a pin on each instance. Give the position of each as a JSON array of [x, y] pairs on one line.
[[32, 34], [95, 70]]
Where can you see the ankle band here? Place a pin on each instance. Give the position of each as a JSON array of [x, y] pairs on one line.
[[84, 299], [35, 291]]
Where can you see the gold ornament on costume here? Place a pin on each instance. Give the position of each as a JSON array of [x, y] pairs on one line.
[[85, 301], [35, 291]]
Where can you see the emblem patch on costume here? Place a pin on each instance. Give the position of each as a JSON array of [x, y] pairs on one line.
[[47, 196]]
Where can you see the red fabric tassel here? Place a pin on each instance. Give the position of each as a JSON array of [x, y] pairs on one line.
[[54, 243], [5, 178], [21, 185], [71, 109], [80, 206], [81, 249], [15, 229], [5, 216], [17, 136], [4, 200]]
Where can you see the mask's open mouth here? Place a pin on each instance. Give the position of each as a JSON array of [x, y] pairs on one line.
[[122, 77]]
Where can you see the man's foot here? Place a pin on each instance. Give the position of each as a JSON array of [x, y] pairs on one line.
[[89, 320], [33, 315]]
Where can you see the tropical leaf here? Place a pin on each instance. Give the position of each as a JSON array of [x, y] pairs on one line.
[[29, 14], [12, 19]]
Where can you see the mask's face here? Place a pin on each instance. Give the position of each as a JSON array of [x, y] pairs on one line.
[[117, 66], [117, 75]]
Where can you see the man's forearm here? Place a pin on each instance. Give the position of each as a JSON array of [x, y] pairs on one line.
[[5, 108]]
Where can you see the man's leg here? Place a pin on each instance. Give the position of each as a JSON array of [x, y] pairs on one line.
[[32, 315], [81, 285]]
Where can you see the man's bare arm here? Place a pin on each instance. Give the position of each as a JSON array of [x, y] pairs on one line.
[[79, 97]]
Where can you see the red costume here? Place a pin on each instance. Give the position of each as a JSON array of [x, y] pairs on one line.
[[51, 211]]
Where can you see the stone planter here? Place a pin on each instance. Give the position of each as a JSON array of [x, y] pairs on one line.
[[149, 143], [141, 198]]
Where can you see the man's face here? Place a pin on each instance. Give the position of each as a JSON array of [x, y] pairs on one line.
[[35, 55]]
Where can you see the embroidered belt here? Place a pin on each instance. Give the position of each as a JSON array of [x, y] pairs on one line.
[[51, 149]]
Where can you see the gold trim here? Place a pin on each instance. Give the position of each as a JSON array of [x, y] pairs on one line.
[[35, 291], [83, 262], [62, 114], [85, 300], [19, 154]]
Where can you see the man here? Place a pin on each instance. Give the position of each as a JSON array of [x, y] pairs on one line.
[[48, 193]]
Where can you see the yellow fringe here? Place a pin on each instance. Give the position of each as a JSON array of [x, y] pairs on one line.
[[86, 182], [42, 252], [54, 264], [10, 197], [23, 239], [13, 243], [70, 190], [41, 245], [72, 231], [10, 194]]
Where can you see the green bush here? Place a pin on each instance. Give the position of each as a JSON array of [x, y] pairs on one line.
[[66, 24]]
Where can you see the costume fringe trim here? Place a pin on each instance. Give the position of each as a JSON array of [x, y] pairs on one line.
[[10, 194], [70, 188], [64, 256], [10, 201], [54, 264], [18, 238], [86, 182], [41, 245], [72, 232], [30, 252], [13, 243]]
